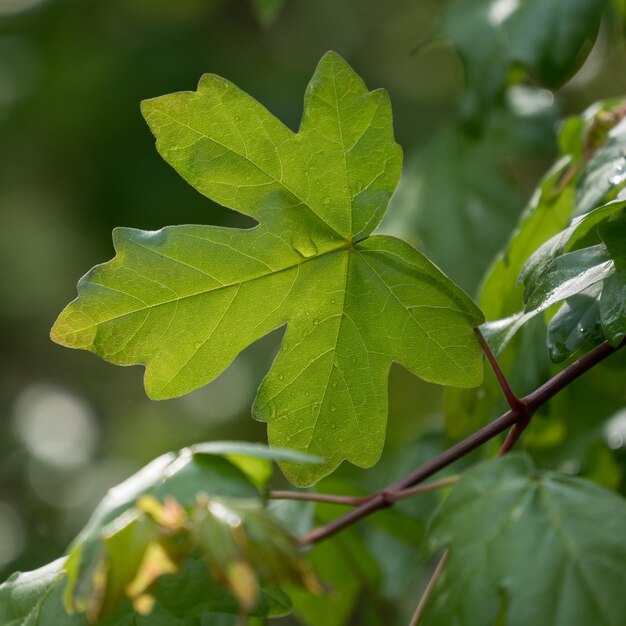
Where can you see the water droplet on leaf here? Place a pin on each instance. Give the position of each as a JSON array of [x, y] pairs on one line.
[[304, 246]]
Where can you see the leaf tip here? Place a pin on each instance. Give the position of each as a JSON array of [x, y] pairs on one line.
[[73, 329]]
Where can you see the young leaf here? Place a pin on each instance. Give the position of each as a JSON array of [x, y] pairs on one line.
[[107, 555], [184, 301], [192, 521], [528, 544], [35, 599]]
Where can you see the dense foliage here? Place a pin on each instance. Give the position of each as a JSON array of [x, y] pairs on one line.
[[199, 537]]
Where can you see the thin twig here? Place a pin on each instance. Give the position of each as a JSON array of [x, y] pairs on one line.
[[430, 587], [514, 434], [512, 399], [357, 500], [319, 497], [532, 402], [414, 491], [509, 395]]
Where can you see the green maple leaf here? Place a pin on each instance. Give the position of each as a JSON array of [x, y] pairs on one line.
[[526, 548], [185, 300]]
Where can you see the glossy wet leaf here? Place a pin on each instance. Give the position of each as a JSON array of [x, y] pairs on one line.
[[554, 274], [570, 274], [613, 307], [555, 202], [553, 247], [576, 323], [547, 547], [185, 300], [543, 259], [613, 298], [605, 174]]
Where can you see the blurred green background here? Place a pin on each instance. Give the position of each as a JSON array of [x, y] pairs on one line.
[[76, 160]]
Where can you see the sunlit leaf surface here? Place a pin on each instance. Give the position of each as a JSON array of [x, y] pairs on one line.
[[185, 300]]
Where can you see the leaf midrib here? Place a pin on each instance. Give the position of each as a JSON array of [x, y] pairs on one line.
[[203, 292], [570, 547]]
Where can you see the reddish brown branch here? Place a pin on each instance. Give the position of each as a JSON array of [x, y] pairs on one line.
[[512, 400], [529, 405], [513, 436]]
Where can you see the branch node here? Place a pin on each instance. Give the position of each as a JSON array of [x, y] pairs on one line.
[[518, 417], [387, 497]]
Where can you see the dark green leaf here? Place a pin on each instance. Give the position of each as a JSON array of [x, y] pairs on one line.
[[570, 274], [563, 242], [548, 548], [613, 307], [584, 187], [577, 322], [605, 174]]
